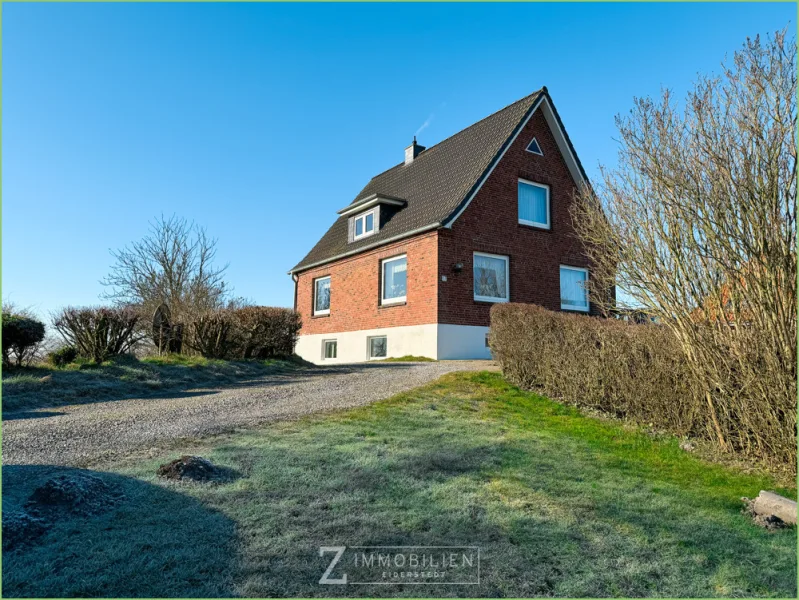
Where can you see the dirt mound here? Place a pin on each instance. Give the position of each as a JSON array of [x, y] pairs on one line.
[[77, 493], [20, 527], [193, 468]]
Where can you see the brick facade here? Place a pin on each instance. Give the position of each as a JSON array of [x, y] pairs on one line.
[[355, 289], [489, 224]]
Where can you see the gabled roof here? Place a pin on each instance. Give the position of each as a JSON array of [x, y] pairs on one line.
[[440, 181]]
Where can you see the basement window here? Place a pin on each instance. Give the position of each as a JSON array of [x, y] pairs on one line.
[[329, 348], [378, 346]]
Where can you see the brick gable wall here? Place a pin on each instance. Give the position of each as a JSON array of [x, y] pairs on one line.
[[490, 224], [355, 289]]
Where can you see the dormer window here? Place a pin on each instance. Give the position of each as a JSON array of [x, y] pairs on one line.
[[364, 224], [368, 215]]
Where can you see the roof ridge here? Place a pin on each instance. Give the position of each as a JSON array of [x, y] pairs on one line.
[[436, 145]]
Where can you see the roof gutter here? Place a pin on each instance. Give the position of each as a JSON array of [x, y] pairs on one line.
[[365, 248]]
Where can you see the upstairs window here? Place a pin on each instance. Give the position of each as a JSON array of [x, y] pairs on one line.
[[533, 204], [321, 296], [573, 288], [364, 225], [395, 280]]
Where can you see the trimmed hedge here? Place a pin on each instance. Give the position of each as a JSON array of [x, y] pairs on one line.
[[626, 370], [249, 332], [632, 371]]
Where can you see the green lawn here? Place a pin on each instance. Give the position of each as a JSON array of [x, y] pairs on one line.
[[559, 504], [126, 377]]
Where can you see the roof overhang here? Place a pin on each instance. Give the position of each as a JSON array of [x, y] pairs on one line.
[[369, 202]]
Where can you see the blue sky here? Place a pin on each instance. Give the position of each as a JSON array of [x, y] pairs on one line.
[[259, 121]]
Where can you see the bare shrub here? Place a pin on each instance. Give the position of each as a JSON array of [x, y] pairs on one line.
[[247, 332], [697, 226], [213, 335], [98, 333], [266, 331]]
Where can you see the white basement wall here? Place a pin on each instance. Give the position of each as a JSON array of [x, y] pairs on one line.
[[442, 342]]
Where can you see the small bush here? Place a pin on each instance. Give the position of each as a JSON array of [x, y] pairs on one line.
[[98, 333], [63, 356], [22, 335]]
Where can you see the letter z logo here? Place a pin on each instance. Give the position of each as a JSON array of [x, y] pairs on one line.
[[339, 550]]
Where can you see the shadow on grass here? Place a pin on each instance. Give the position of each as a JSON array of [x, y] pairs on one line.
[[155, 542]]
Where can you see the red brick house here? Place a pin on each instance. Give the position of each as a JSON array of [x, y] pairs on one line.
[[415, 262]]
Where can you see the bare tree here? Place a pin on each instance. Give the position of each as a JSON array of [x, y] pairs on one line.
[[697, 226], [173, 264]]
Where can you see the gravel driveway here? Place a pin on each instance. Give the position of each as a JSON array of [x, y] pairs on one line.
[[81, 434]]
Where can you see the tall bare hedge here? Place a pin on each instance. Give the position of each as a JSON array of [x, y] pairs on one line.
[[248, 332], [633, 371]]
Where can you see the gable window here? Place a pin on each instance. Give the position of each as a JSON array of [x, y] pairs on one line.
[[535, 148], [321, 296], [490, 277], [364, 225], [329, 348], [378, 346], [573, 288], [395, 280], [533, 204]]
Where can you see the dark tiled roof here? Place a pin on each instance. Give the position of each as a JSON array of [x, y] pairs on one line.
[[435, 184]]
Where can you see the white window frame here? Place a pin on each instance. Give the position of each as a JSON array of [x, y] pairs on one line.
[[507, 278], [548, 224], [362, 217], [527, 148], [315, 289], [324, 349], [399, 299], [369, 347], [587, 306]]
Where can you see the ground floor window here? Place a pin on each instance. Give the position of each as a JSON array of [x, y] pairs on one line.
[[378, 347], [329, 348], [490, 277], [573, 288]]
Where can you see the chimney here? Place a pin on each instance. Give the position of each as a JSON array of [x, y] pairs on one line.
[[412, 151]]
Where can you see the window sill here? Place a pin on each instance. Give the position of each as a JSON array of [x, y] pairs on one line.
[[476, 301], [579, 311], [535, 227], [391, 305], [320, 316]]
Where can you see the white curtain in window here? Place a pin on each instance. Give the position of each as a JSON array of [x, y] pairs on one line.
[[573, 293], [322, 296], [489, 277], [533, 203], [395, 278]]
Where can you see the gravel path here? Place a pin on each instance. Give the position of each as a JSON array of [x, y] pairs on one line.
[[80, 434]]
